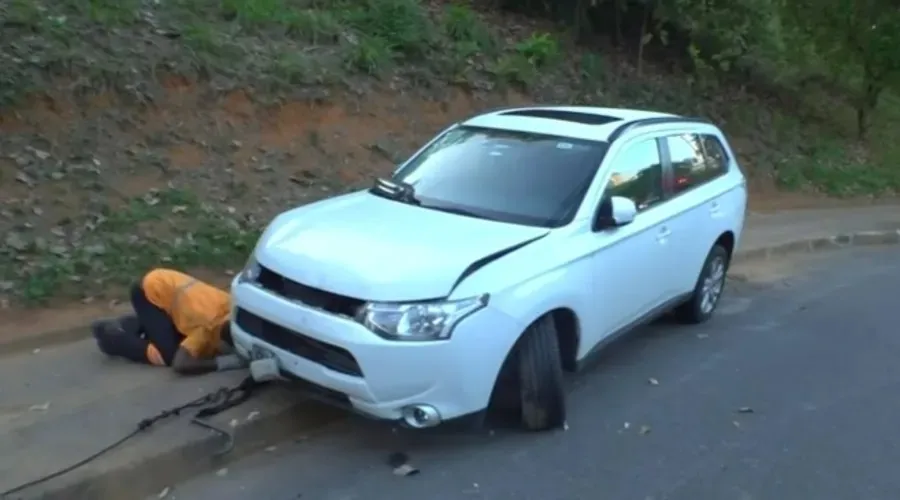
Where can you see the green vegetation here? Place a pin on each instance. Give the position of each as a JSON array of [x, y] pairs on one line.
[[170, 228], [807, 89]]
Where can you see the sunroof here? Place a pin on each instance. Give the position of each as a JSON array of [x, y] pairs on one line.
[[566, 116]]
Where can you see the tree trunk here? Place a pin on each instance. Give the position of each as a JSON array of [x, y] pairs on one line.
[[872, 88], [618, 7], [645, 22], [582, 21]]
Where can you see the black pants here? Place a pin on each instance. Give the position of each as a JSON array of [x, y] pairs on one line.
[[147, 337], [155, 325]]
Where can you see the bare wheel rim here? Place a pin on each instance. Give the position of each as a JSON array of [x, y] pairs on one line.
[[712, 285]]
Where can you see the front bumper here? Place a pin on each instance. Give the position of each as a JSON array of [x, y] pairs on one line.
[[378, 377]]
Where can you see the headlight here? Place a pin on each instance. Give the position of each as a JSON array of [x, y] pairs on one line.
[[418, 321], [250, 272]]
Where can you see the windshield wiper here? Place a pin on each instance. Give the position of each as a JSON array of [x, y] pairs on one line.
[[395, 190]]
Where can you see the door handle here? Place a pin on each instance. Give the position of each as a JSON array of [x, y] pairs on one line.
[[663, 233], [714, 207]]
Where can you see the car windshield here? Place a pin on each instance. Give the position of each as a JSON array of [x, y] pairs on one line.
[[509, 176]]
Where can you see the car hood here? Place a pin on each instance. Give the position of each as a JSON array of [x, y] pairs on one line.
[[364, 246]]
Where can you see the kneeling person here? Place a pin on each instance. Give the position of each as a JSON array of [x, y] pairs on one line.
[[178, 321]]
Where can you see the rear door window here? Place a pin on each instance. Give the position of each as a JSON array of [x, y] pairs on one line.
[[696, 160]]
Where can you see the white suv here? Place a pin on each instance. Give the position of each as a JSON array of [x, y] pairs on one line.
[[506, 251]]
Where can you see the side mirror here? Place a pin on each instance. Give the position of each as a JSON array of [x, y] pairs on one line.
[[614, 211]]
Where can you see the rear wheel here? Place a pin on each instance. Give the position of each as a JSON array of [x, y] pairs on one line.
[[708, 290], [540, 375]]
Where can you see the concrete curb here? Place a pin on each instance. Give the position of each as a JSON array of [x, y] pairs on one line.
[[285, 416], [18, 344], [818, 244]]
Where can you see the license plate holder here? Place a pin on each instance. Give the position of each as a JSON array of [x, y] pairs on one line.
[[258, 352]]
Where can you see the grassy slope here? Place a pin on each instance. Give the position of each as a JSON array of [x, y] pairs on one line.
[[283, 48]]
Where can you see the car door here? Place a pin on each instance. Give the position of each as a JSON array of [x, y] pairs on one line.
[[627, 268], [696, 164]]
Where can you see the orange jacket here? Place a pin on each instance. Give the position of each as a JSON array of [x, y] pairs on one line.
[[198, 310]]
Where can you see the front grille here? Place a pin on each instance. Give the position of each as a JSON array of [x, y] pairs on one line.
[[327, 355], [331, 302]]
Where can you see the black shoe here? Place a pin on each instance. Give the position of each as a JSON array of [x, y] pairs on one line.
[[105, 336], [130, 325], [114, 341]]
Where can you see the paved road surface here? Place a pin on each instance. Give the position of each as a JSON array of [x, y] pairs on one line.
[[812, 360]]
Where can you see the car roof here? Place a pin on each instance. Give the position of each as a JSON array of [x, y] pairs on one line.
[[578, 122]]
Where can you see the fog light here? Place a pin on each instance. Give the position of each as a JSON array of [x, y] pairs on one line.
[[421, 416]]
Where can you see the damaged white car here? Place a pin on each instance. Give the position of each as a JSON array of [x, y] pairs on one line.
[[503, 253]]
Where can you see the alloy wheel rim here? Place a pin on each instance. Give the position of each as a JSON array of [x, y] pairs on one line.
[[713, 284]]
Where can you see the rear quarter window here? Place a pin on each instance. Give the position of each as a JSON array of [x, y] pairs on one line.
[[715, 153]]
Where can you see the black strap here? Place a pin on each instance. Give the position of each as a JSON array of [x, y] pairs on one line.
[[235, 396]]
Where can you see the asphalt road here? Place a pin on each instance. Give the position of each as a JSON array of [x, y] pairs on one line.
[[791, 392]]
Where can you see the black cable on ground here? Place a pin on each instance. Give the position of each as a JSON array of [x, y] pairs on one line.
[[211, 403]]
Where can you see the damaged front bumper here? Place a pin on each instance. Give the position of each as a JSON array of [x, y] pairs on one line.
[[336, 360]]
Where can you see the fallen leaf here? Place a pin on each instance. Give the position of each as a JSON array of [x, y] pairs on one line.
[[40, 407], [97, 249], [627, 425], [24, 179], [745, 409], [405, 470], [653, 381], [234, 423], [736, 423], [702, 335], [222, 472], [270, 449], [164, 493], [41, 155], [16, 241], [645, 429], [253, 414]]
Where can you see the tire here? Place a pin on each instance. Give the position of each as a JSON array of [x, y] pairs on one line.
[[698, 309], [541, 391]]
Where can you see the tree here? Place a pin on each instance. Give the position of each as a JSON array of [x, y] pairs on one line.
[[860, 35]]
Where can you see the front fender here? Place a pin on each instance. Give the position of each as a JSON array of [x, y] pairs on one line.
[[568, 287]]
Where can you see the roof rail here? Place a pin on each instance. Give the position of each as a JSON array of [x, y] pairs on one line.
[[656, 120], [563, 115]]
